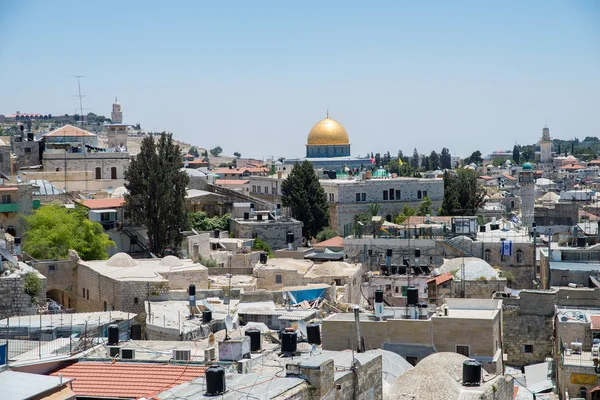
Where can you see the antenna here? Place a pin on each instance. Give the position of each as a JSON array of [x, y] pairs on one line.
[[302, 327]]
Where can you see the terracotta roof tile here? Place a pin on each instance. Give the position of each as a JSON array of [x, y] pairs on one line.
[[595, 321], [126, 379], [69, 130], [98, 204], [445, 277], [337, 241], [231, 182]]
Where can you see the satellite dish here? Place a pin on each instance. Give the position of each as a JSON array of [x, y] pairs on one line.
[[313, 349], [229, 323], [285, 296], [211, 340], [236, 320], [302, 327], [19, 180], [110, 189], [64, 189]]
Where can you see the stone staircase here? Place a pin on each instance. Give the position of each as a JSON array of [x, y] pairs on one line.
[[457, 247]]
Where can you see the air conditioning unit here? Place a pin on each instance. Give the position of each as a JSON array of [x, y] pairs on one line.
[[182, 355], [113, 351], [243, 366], [210, 353], [127, 354]]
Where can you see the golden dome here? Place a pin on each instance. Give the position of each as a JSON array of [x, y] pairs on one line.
[[327, 132]]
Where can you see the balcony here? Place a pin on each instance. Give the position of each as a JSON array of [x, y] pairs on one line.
[[9, 207]]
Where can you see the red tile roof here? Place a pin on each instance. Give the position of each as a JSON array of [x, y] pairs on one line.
[[445, 277], [230, 171], [595, 321], [69, 131], [509, 177], [126, 379], [486, 178], [337, 241], [98, 204]]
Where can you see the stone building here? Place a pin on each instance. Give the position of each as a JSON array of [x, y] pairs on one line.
[[349, 197], [13, 299], [119, 283], [16, 201], [272, 230], [564, 266], [546, 146], [71, 150], [5, 159], [28, 153], [469, 327]]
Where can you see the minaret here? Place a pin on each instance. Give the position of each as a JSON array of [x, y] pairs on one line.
[[527, 183], [116, 116], [546, 147]]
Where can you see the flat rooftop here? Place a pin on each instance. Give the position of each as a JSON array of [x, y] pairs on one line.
[[52, 320]]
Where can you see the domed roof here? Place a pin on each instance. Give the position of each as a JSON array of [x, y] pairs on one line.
[[327, 132], [170, 261], [121, 260], [527, 166]]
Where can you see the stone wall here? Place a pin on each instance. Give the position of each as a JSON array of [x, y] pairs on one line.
[[13, 300], [528, 320], [267, 278], [478, 289], [272, 232]]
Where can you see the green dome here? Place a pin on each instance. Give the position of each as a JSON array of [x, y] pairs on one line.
[[527, 166], [380, 173]]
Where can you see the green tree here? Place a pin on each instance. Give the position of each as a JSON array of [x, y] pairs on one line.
[[54, 230], [434, 161], [406, 212], [261, 245], [425, 207], [414, 161], [463, 195], [237, 154], [326, 233], [516, 154], [194, 151], [303, 193], [157, 189], [216, 151], [201, 222], [445, 159], [475, 157]]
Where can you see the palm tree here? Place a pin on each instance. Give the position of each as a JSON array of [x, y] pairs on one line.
[[374, 209]]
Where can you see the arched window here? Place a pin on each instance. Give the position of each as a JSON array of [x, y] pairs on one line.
[[487, 255], [113, 173], [519, 256], [98, 173], [583, 392]]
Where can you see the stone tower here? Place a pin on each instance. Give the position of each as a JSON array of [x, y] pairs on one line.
[[116, 115], [546, 147], [527, 183]]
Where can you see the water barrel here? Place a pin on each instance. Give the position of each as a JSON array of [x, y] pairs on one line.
[[412, 295], [215, 380], [402, 270], [580, 241], [379, 296], [263, 257], [113, 334], [313, 331], [246, 215], [254, 335], [417, 252], [289, 342], [259, 217], [388, 253], [384, 270], [136, 332], [394, 270], [471, 373], [289, 237], [217, 233], [206, 316]]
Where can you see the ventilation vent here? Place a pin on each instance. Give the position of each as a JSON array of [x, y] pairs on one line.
[[182, 355], [113, 351], [127, 354]]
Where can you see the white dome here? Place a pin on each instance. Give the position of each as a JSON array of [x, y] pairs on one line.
[[121, 260], [170, 261]]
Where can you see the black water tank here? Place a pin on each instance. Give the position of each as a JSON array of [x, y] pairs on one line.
[[402, 270], [254, 335], [289, 342], [370, 252], [412, 295], [417, 252], [388, 252], [471, 373], [192, 290], [17, 241], [313, 331], [113, 334], [379, 296], [217, 233], [259, 217], [384, 270], [215, 380], [136, 332], [394, 270], [482, 228], [263, 257], [580, 241], [246, 215], [206, 316], [289, 237]]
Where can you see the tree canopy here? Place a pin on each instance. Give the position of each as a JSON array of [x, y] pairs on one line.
[[463, 195], [216, 151], [54, 230], [303, 193], [157, 189], [201, 222]]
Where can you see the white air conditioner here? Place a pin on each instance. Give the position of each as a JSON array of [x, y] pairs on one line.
[[113, 351], [182, 355], [210, 353], [127, 354]]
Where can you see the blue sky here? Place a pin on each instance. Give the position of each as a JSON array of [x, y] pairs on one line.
[[255, 76]]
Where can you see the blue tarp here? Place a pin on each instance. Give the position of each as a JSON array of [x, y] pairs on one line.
[[307, 294]]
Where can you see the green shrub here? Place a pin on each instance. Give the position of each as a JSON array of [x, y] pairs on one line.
[[32, 286]]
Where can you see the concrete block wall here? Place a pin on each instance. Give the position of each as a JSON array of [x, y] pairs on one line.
[[478, 289], [182, 279], [480, 334], [272, 232], [369, 385], [13, 300]]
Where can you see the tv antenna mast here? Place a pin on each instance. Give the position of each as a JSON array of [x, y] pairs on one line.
[[80, 97]]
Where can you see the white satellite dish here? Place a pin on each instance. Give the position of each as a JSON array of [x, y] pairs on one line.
[[313, 350], [284, 296], [302, 327], [19, 180], [110, 189], [236, 320], [229, 323]]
